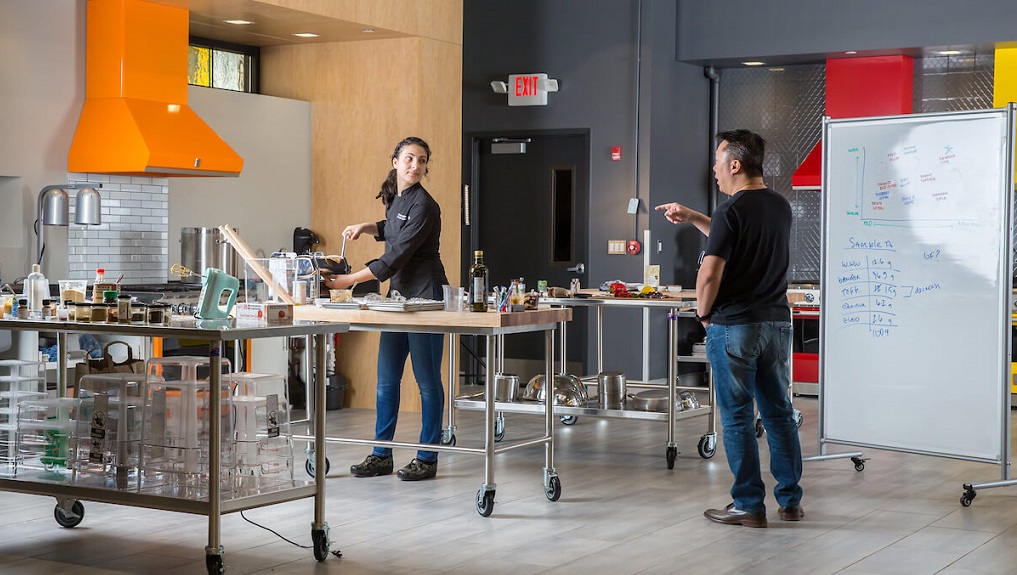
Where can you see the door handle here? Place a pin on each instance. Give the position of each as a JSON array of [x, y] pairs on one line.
[[579, 268]]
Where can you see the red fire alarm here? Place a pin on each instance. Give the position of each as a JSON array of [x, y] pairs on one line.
[[632, 247], [615, 153]]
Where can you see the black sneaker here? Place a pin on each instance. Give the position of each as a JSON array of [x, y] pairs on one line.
[[373, 466], [417, 470]]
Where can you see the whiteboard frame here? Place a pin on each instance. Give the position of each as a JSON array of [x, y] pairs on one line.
[[1006, 229]]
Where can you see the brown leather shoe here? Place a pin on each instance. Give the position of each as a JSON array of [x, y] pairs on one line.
[[731, 515], [793, 513]]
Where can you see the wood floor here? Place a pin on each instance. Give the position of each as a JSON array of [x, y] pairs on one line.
[[621, 512]]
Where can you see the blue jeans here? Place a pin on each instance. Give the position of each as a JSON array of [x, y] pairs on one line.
[[425, 349], [752, 362]]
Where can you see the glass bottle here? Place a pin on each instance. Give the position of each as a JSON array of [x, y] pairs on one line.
[[36, 290], [98, 286], [478, 282]]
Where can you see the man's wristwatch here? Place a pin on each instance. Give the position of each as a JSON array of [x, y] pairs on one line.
[[702, 318]]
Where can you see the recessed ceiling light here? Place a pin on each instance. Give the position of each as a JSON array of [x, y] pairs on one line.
[[776, 69], [238, 22], [368, 30], [950, 52], [753, 63], [851, 52], [305, 35]]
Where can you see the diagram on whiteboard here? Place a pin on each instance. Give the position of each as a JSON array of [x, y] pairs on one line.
[[911, 184]]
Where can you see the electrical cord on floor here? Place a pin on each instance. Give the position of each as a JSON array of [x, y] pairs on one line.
[[336, 552]]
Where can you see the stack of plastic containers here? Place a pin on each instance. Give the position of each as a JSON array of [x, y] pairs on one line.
[[108, 436], [264, 443], [177, 424], [19, 381], [44, 436]]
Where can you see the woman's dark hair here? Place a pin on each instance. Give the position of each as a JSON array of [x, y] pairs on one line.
[[388, 187]]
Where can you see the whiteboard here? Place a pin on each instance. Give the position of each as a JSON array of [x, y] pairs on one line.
[[916, 280]]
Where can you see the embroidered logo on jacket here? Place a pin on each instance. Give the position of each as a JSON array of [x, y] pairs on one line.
[[403, 217]]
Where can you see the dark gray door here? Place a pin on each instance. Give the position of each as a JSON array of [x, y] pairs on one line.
[[530, 215]]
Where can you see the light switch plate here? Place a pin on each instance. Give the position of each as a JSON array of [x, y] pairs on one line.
[[615, 247]]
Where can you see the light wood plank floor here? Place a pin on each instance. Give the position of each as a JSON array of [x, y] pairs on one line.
[[621, 512]]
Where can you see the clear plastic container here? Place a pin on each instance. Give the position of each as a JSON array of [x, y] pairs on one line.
[[264, 441], [46, 430], [108, 448]]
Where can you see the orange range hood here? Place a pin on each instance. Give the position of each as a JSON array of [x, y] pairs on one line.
[[135, 119]]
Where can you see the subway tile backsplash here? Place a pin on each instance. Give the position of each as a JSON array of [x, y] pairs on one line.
[[134, 236]]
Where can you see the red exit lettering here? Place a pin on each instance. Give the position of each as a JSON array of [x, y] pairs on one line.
[[526, 86]]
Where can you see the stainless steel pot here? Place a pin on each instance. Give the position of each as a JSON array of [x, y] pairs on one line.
[[611, 390], [649, 400], [506, 386], [203, 248], [568, 390]]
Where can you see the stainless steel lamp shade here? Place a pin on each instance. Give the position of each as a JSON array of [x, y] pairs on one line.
[[54, 211]]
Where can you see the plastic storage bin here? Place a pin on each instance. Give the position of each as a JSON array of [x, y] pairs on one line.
[[19, 381], [46, 430], [264, 441], [175, 438], [108, 434]]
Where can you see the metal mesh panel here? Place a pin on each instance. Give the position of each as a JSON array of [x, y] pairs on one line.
[[786, 106]]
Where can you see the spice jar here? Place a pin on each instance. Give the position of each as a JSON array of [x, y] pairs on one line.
[[99, 313], [110, 296], [83, 312], [139, 313], [158, 314], [124, 308], [112, 312], [22, 312]]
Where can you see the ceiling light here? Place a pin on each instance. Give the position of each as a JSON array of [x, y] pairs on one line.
[[950, 52], [305, 35], [368, 30], [753, 63], [851, 52], [238, 22]]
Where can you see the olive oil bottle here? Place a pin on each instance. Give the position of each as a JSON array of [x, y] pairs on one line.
[[479, 284]]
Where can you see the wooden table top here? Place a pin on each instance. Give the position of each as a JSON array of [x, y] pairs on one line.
[[437, 321]]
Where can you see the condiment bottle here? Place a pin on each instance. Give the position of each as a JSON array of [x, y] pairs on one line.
[[97, 285], [478, 282], [124, 308], [36, 290]]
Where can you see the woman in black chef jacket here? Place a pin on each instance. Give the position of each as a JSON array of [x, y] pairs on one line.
[[410, 230]]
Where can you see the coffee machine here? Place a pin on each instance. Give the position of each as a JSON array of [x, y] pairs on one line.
[[304, 241]]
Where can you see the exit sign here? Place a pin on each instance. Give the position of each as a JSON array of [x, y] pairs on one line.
[[527, 90]]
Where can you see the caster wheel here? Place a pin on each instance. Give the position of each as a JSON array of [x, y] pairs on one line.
[[485, 502], [706, 450], [499, 429], [859, 463], [71, 519], [799, 418], [760, 430], [309, 467], [569, 419], [553, 489], [320, 541], [448, 439], [967, 498], [672, 454], [215, 565]]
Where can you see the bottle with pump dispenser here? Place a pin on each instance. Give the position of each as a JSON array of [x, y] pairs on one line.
[[36, 290], [479, 283]]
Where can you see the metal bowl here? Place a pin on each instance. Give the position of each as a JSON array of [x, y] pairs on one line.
[[568, 390]]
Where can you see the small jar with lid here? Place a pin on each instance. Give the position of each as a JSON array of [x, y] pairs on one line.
[[158, 314], [48, 308], [110, 296], [99, 314], [83, 312], [22, 311], [124, 308], [112, 312], [139, 313]]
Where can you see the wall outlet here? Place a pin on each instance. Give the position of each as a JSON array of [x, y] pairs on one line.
[[615, 247]]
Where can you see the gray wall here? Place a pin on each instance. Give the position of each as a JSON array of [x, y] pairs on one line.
[[591, 46]]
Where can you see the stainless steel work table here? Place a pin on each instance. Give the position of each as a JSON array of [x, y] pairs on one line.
[[489, 324], [215, 332], [675, 308]]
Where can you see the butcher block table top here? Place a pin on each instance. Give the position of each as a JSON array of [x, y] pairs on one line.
[[464, 322]]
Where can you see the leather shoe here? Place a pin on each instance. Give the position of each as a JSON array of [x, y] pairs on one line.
[[731, 515], [792, 513]]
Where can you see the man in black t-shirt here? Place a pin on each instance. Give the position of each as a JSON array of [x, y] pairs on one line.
[[741, 293]]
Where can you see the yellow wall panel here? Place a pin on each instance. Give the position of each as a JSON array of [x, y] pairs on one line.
[[1004, 84]]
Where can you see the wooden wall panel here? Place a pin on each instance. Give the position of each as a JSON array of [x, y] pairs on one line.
[[440, 20], [366, 96]]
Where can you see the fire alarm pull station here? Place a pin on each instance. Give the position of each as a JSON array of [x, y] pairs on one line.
[[615, 153], [632, 247]]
